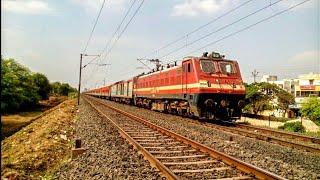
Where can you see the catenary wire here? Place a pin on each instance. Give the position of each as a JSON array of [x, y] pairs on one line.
[[115, 32], [118, 28], [123, 30], [94, 26], [120, 34], [200, 27], [197, 29], [220, 29], [245, 28]]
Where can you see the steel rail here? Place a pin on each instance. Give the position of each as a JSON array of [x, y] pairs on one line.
[[229, 160], [153, 161], [282, 133], [265, 138]]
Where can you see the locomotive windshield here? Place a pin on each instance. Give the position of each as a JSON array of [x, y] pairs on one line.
[[226, 67], [207, 66]]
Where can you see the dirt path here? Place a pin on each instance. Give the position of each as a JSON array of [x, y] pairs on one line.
[[38, 148]]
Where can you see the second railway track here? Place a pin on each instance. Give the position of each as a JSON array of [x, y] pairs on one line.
[[175, 156], [296, 141]]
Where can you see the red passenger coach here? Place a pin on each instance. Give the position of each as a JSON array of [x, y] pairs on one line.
[[102, 92]]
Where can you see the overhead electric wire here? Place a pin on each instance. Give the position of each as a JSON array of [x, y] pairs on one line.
[[118, 28], [247, 27], [198, 28], [221, 28], [120, 34], [94, 26], [123, 30], [115, 32]]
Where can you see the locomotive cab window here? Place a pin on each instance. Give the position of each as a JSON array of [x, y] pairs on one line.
[[207, 66], [226, 67], [189, 67]]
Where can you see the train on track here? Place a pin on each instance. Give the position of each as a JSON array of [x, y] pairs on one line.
[[208, 87]]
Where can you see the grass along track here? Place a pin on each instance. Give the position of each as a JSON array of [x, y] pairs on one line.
[[158, 143]]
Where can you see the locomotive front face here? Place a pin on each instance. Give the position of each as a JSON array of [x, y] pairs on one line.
[[221, 90]]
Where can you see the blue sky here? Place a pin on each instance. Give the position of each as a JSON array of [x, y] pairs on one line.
[[48, 36]]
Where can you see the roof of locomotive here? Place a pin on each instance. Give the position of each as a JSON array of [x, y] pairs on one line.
[[185, 59], [157, 72]]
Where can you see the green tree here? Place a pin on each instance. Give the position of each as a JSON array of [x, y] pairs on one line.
[[311, 109], [62, 88], [18, 88], [43, 85], [257, 100], [55, 88], [284, 100], [261, 95]]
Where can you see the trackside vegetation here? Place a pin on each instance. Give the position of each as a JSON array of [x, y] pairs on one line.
[[22, 89], [265, 96], [293, 127], [311, 109]]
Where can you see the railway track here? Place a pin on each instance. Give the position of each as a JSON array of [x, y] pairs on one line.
[[292, 140], [175, 156], [296, 141]]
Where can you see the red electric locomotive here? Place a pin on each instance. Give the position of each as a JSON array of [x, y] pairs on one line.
[[207, 87]]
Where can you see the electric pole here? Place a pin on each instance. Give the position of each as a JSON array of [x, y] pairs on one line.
[[80, 78], [79, 87], [255, 75]]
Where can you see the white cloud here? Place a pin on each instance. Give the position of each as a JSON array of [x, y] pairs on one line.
[[191, 8], [26, 7], [305, 56]]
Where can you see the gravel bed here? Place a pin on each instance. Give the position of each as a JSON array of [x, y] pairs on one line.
[[108, 155], [124, 121], [286, 162]]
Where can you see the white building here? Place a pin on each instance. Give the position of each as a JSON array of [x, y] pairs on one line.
[[307, 85]]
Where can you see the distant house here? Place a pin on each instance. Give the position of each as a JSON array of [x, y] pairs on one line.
[[306, 85]]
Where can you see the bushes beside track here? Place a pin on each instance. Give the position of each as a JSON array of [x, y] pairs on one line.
[[293, 127], [22, 89]]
